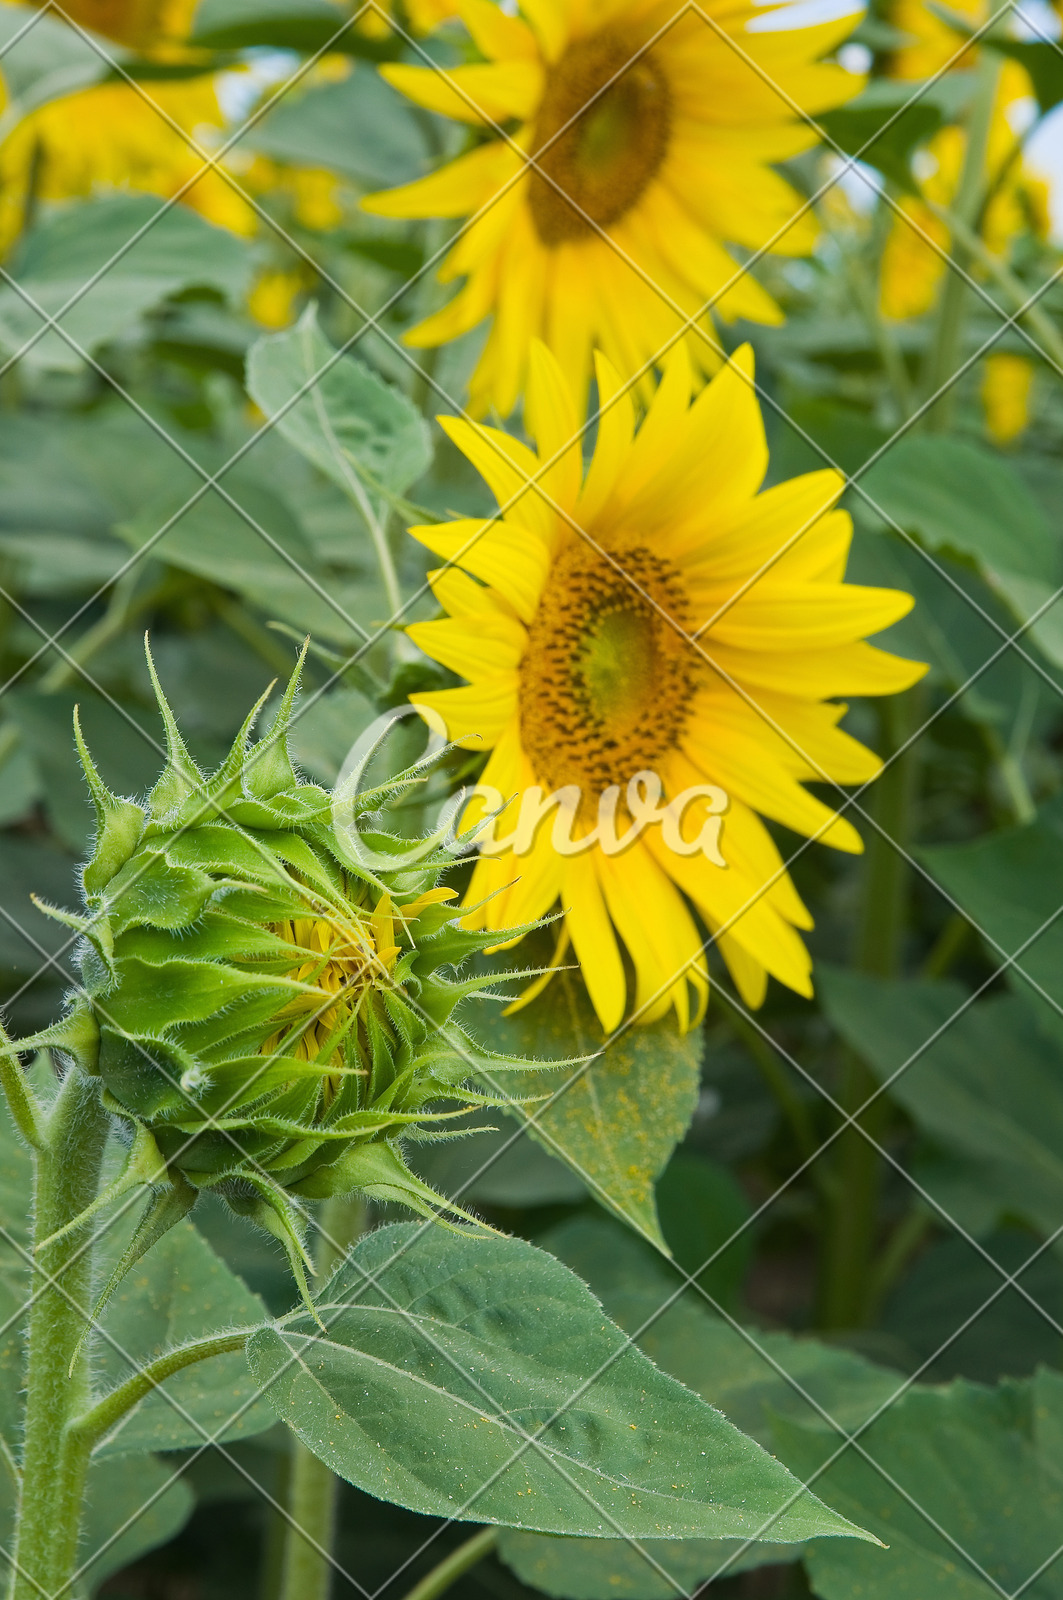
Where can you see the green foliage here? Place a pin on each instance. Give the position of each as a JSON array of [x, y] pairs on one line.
[[563, 1427], [963, 1483], [368, 438], [592, 1117], [753, 1377], [84, 254]]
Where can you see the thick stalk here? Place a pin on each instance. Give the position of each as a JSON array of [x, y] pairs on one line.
[[313, 1491], [57, 1376], [947, 349], [845, 1287]]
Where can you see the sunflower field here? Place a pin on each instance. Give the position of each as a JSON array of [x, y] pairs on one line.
[[531, 799]]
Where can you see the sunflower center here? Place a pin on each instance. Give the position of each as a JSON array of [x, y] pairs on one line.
[[600, 135], [341, 961], [606, 679]]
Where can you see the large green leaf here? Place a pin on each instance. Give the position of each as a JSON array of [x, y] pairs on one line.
[[177, 250], [1011, 885], [965, 499], [133, 1504], [308, 26], [616, 1120], [751, 1376], [975, 1501], [359, 430], [359, 127], [274, 569], [987, 1086], [968, 501], [446, 1351]]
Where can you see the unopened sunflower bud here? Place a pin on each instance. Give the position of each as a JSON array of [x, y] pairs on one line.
[[267, 1020]]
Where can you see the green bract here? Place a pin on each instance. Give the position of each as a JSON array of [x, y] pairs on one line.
[[268, 1019]]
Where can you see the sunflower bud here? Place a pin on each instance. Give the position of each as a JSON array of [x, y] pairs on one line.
[[267, 1019]]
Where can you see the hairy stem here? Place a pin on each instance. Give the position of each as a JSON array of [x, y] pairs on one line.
[[313, 1491], [57, 1375], [453, 1566]]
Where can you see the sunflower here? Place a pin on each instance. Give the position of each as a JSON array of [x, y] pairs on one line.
[[912, 270], [652, 126], [659, 619], [149, 26]]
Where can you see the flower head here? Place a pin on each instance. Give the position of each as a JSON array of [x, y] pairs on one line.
[[268, 1019], [642, 136], [655, 629]]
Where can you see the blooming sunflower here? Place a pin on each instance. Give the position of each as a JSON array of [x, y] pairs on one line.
[[652, 126], [112, 136], [145, 25], [659, 615]]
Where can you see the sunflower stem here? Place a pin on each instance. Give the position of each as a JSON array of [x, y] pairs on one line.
[[313, 1488], [845, 1287], [67, 1176], [946, 349], [454, 1565]]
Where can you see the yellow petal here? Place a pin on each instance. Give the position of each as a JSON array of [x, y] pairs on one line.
[[508, 558], [616, 428], [457, 190], [491, 93], [550, 418], [474, 716], [593, 940], [494, 645]]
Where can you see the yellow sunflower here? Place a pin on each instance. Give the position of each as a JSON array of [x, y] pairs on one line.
[[111, 136], [145, 25], [652, 126], [912, 270], [655, 620]]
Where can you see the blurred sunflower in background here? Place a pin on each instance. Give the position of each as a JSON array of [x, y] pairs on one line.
[[118, 135], [657, 614], [1018, 201], [652, 128]]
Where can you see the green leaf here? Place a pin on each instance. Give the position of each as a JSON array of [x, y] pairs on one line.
[[351, 424], [359, 127], [444, 1351], [974, 1506], [178, 251], [275, 570], [617, 1120], [179, 1292], [743, 1377], [882, 126], [49, 60], [308, 26], [1044, 64], [967, 500], [138, 1491], [1010, 1122], [951, 1285], [703, 1212], [1008, 884]]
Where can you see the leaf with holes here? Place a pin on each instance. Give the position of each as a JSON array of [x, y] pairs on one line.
[[477, 1378]]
